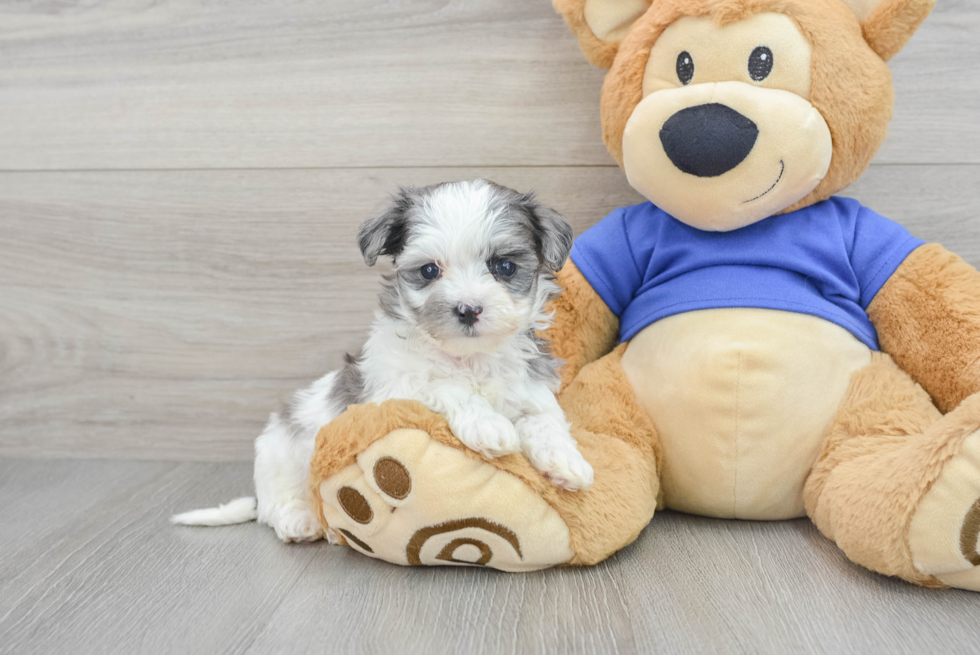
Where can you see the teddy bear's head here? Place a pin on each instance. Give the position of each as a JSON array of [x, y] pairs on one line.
[[726, 112]]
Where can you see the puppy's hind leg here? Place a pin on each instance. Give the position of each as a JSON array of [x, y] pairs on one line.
[[281, 470], [282, 462]]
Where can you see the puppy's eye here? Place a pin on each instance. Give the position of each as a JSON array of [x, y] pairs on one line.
[[505, 268], [760, 63], [685, 67], [430, 271]]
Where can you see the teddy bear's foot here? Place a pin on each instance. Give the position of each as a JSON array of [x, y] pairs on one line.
[[945, 527], [411, 500]]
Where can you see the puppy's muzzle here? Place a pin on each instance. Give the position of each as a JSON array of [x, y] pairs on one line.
[[708, 140], [468, 314]]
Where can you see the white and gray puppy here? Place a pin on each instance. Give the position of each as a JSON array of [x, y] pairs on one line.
[[473, 272]]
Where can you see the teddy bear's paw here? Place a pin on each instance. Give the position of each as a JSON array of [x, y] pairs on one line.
[[944, 534], [414, 501], [296, 523]]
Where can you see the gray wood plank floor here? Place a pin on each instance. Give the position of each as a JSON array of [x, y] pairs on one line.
[[89, 564]]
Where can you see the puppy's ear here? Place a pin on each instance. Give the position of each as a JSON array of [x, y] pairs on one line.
[[889, 24], [600, 25], [386, 234], [551, 229]]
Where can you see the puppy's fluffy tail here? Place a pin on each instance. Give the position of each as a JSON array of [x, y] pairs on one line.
[[240, 510]]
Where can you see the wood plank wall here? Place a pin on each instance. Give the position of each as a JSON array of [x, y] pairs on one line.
[[181, 182]]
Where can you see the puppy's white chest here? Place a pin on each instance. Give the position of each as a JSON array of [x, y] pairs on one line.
[[490, 388]]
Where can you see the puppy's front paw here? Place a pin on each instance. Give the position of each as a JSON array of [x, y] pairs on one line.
[[488, 433], [553, 452], [562, 464]]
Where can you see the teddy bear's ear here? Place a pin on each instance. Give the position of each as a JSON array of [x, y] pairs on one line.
[[601, 24], [889, 24]]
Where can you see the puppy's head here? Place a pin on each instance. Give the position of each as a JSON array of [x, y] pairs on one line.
[[474, 262]]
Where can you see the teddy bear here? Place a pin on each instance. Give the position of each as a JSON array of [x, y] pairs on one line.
[[745, 345]]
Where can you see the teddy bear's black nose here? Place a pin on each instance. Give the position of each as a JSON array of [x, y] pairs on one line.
[[708, 140]]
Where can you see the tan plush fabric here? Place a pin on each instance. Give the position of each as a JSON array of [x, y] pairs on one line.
[[599, 52], [928, 319], [793, 148], [944, 532], [719, 53], [742, 400], [613, 432], [862, 8], [618, 439], [790, 157], [584, 328], [851, 86], [449, 509], [887, 447], [892, 23], [734, 410], [610, 20]]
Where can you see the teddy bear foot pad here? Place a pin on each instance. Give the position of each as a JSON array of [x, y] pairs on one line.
[[413, 501], [945, 528]]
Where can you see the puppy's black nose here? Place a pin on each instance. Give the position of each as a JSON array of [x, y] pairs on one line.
[[467, 314], [708, 140]]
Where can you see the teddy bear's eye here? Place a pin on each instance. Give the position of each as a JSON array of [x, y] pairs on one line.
[[685, 67], [760, 63]]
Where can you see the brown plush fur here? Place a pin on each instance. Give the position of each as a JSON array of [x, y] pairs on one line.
[[887, 444], [599, 53], [613, 433], [617, 437], [584, 328], [886, 447], [928, 319], [851, 85], [892, 23]]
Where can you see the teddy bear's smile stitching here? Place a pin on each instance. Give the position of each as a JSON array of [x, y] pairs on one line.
[[782, 169]]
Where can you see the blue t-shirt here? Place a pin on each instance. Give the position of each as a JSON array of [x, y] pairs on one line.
[[827, 260]]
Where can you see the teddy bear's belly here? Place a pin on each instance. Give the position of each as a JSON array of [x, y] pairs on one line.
[[742, 399]]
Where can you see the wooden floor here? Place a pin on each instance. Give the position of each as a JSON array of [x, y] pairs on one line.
[[180, 186], [89, 564]]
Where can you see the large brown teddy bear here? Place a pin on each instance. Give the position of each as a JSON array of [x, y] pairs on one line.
[[745, 345]]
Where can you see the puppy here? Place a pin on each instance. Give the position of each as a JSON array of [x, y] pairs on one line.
[[473, 272]]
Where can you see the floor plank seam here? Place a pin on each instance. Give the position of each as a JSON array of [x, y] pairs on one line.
[[272, 614], [56, 570]]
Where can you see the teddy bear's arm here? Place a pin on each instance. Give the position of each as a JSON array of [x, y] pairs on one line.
[[928, 319], [584, 328]]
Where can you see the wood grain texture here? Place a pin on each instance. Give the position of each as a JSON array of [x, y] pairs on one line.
[[89, 564], [101, 571], [162, 315], [147, 84]]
